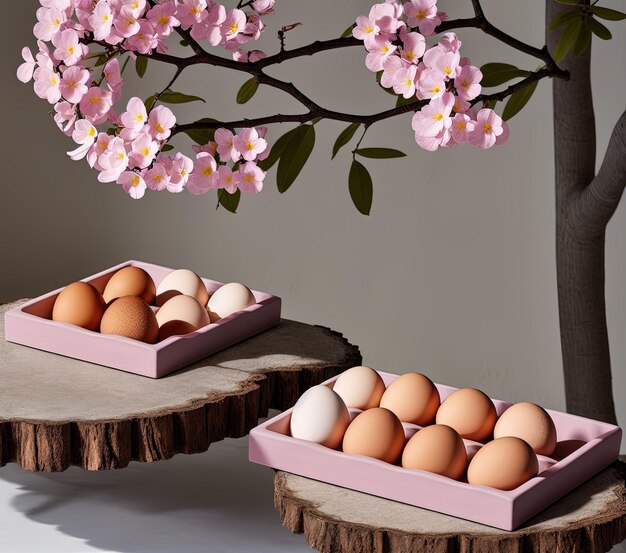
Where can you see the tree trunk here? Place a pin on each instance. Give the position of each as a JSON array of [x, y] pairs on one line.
[[580, 241]]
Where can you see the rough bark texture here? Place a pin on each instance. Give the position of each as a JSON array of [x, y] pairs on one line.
[[56, 412], [580, 238], [589, 520]]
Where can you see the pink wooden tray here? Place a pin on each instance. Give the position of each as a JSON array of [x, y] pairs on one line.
[[30, 324], [597, 445]]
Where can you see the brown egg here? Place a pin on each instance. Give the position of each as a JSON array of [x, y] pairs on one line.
[[132, 317], [360, 387], [437, 448], [175, 328], [470, 412], [130, 281], [376, 433], [505, 464], [79, 304], [531, 423], [413, 398]]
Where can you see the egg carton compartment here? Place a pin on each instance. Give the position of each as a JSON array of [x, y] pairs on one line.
[[584, 448], [30, 324]]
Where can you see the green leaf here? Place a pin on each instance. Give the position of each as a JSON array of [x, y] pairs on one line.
[[184, 42], [101, 60], [149, 102], [565, 18], [608, 13], [171, 97], [569, 2], [344, 137], [380, 153], [567, 39], [277, 149], [294, 156], [230, 202], [599, 29], [141, 64], [316, 120], [402, 101], [360, 187], [583, 41], [92, 55], [202, 136], [495, 74], [167, 148], [247, 90], [518, 100], [348, 31]]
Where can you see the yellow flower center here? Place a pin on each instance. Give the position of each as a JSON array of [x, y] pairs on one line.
[[435, 89], [409, 55], [438, 117], [139, 117], [183, 172], [234, 27], [249, 178], [72, 84], [464, 84], [70, 50], [92, 131], [195, 9], [57, 22], [158, 178], [135, 180], [105, 18], [249, 146], [384, 49], [461, 126], [159, 128], [447, 70], [487, 128], [95, 99], [53, 80], [229, 179], [164, 20], [420, 14], [368, 29], [408, 82], [207, 171], [145, 151]]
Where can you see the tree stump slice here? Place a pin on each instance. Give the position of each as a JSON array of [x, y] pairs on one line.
[[56, 411], [591, 519]]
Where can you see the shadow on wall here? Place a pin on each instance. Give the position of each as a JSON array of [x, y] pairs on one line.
[[216, 501]]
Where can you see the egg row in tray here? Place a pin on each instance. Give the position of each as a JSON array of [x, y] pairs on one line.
[[131, 305], [407, 424]]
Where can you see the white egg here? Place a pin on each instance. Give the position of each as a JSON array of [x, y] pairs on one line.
[[360, 387], [181, 281], [229, 299], [183, 308], [320, 416]]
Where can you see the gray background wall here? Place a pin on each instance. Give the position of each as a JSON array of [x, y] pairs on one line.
[[453, 274]]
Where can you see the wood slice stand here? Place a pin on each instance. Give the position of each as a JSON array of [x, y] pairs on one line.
[[591, 519], [56, 411]]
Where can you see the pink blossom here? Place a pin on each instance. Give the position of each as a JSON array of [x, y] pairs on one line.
[[25, 71], [210, 147], [251, 178], [57, 4], [379, 51], [68, 49], [137, 7], [385, 16], [144, 41], [126, 23], [135, 116], [47, 84], [84, 134], [95, 104], [162, 17], [113, 77], [227, 179], [413, 47], [143, 150], [204, 176], [73, 83], [263, 7], [502, 138], [234, 24], [390, 67], [97, 149], [101, 20], [449, 42], [460, 105], [190, 12], [487, 128], [65, 116], [422, 14], [405, 81], [248, 143], [113, 161], [181, 168], [446, 63], [365, 29], [160, 122], [225, 145], [467, 83], [431, 144], [157, 177], [49, 23], [133, 184], [434, 117], [431, 84], [461, 125]]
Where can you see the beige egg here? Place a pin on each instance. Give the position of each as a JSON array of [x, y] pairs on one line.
[[130, 281], [375, 433], [531, 423], [505, 464], [470, 412], [320, 416], [360, 387], [132, 317], [183, 308], [437, 449], [175, 328], [413, 398], [183, 282], [228, 299], [79, 304]]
